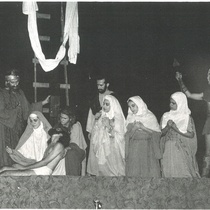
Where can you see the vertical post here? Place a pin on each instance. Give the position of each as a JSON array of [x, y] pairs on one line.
[[35, 80], [65, 65]]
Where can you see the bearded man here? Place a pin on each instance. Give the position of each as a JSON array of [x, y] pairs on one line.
[[14, 111], [96, 102]]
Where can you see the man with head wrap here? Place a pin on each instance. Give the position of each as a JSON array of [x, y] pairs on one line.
[[14, 111]]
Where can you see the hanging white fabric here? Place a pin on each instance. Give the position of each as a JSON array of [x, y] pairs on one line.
[[70, 32]]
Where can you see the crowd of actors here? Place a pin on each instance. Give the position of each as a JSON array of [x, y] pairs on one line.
[[136, 145]]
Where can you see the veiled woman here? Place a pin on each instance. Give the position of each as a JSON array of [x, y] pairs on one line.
[[33, 141], [179, 141], [107, 145], [142, 140]]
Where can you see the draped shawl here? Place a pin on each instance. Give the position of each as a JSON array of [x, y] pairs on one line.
[[181, 115], [100, 136], [45, 126], [143, 115]]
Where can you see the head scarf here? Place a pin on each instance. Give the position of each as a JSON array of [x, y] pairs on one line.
[[29, 128], [115, 110], [101, 139], [144, 115], [181, 115]]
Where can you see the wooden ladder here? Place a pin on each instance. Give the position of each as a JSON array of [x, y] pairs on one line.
[[64, 63]]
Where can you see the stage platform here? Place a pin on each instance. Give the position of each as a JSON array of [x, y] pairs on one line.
[[67, 192]]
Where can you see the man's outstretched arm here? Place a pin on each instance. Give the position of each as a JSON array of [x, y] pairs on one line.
[[195, 96]]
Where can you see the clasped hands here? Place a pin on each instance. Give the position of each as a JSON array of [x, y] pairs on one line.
[[108, 123], [138, 125], [171, 124]]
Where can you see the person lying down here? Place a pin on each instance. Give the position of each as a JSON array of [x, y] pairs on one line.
[[53, 154]]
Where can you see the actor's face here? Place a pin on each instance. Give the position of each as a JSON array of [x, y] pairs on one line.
[[173, 104], [35, 121], [102, 86], [64, 120], [133, 107], [13, 84], [106, 105]]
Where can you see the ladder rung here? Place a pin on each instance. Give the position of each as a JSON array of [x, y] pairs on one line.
[[41, 85], [43, 16], [65, 86], [63, 62], [44, 38], [45, 110], [46, 85]]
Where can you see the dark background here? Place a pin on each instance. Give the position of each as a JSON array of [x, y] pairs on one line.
[[133, 43]]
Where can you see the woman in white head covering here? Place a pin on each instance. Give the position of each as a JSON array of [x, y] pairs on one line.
[[33, 142], [142, 140], [107, 145], [179, 141]]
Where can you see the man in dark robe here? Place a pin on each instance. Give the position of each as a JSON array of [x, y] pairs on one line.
[[14, 111]]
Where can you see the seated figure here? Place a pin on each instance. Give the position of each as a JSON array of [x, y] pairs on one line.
[[53, 154], [33, 142], [75, 159]]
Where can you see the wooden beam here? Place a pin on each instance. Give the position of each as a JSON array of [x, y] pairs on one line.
[[47, 85], [44, 38], [43, 16], [45, 110]]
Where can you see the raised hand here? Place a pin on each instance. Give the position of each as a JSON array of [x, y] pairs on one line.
[[178, 75], [47, 100], [9, 150], [98, 115]]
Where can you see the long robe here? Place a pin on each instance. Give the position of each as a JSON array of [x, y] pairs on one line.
[[142, 153], [14, 111], [107, 149], [75, 158], [107, 153], [179, 154]]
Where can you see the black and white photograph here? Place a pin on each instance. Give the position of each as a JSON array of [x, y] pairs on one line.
[[104, 104]]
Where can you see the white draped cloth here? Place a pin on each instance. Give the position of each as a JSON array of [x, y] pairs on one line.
[[181, 115], [36, 144], [107, 152], [144, 115], [70, 33]]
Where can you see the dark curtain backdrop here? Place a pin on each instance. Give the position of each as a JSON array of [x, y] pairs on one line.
[[133, 43]]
